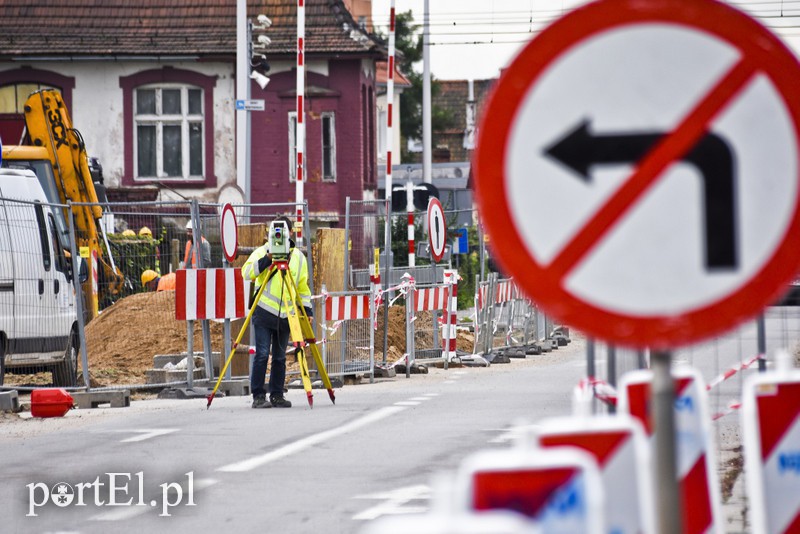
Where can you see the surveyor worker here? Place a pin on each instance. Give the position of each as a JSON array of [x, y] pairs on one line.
[[151, 281], [270, 322], [190, 256]]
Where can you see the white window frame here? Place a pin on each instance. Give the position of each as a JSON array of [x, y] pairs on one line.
[[292, 146], [159, 120], [332, 116]]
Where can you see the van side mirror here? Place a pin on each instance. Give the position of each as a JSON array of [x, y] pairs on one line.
[[83, 269]]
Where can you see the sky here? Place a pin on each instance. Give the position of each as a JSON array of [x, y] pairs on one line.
[[474, 39]]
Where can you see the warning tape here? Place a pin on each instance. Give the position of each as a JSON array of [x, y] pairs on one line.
[[604, 391], [732, 371], [732, 407]]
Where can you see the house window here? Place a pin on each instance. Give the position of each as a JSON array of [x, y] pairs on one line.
[[292, 146], [169, 132], [328, 147], [13, 97], [382, 117]]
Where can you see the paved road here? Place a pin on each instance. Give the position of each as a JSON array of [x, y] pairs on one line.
[[330, 469]]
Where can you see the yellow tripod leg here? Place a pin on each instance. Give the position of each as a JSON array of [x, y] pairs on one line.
[[235, 344], [296, 332], [309, 338]]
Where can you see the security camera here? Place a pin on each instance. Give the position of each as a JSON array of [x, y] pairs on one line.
[[260, 79], [264, 21], [264, 40]]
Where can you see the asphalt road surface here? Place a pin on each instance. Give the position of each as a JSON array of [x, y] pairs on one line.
[[177, 467]]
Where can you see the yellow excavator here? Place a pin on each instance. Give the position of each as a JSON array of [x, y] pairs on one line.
[[55, 151]]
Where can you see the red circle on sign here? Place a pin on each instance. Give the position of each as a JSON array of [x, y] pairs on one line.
[[761, 52], [437, 249], [229, 233]]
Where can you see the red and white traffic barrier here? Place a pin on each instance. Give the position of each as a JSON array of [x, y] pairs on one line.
[[345, 307], [210, 294], [430, 298], [771, 429], [620, 448], [696, 462]]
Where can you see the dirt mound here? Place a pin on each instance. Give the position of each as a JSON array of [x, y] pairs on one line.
[[122, 341]]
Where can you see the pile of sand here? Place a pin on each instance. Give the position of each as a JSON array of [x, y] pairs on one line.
[[123, 339]]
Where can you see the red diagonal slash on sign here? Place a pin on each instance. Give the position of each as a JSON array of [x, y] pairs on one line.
[[669, 150]]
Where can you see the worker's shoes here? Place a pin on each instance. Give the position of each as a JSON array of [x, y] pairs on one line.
[[279, 401], [260, 401]]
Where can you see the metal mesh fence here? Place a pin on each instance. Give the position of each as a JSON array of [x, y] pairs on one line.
[[365, 232], [348, 345]]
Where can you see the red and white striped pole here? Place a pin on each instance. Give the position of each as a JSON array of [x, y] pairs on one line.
[[450, 316], [300, 131], [389, 136], [410, 210]]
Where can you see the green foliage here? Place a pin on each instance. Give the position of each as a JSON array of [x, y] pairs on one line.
[[133, 255]]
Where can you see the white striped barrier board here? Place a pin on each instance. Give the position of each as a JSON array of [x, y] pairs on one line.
[[210, 294], [506, 291], [345, 307], [430, 298], [771, 427], [558, 488], [620, 448], [696, 461]]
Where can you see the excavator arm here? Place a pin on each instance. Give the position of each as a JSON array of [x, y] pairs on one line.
[[48, 125]]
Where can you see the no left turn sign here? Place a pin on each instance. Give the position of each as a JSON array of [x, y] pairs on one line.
[[638, 169]]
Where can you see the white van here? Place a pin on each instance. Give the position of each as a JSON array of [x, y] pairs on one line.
[[38, 317]]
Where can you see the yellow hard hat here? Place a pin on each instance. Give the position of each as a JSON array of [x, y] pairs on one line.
[[148, 276], [129, 233], [145, 231]]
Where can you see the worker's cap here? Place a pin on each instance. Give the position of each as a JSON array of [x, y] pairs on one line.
[[189, 225], [145, 231], [129, 233], [148, 276]]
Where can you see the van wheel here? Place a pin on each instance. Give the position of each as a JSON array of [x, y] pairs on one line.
[[65, 373]]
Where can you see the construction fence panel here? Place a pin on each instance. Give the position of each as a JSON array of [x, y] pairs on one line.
[[364, 228], [429, 303], [347, 324]]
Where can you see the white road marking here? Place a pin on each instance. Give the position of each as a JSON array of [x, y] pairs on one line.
[[420, 399], [407, 403], [120, 514], [395, 502], [431, 394], [144, 433], [310, 441]]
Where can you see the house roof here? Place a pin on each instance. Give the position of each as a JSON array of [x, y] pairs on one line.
[[142, 28], [453, 95], [380, 75]]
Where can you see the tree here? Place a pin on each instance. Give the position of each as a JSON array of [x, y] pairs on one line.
[[408, 42]]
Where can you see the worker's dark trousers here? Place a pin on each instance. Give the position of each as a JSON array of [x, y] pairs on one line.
[[271, 332]]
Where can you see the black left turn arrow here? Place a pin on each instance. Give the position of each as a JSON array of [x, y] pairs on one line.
[[581, 149]]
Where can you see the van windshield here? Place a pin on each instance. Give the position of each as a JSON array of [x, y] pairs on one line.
[[44, 172]]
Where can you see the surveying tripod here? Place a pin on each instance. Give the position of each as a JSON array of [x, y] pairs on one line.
[[301, 334]]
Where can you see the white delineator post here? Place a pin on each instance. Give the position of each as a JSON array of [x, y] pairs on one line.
[[410, 209], [450, 321], [300, 131]]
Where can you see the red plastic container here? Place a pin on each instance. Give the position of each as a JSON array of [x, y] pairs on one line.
[[50, 402]]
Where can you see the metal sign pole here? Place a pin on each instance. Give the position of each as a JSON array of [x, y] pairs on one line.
[[669, 506]]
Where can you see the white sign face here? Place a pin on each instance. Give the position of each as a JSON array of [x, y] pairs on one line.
[[229, 233], [437, 229], [664, 141], [250, 105]]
